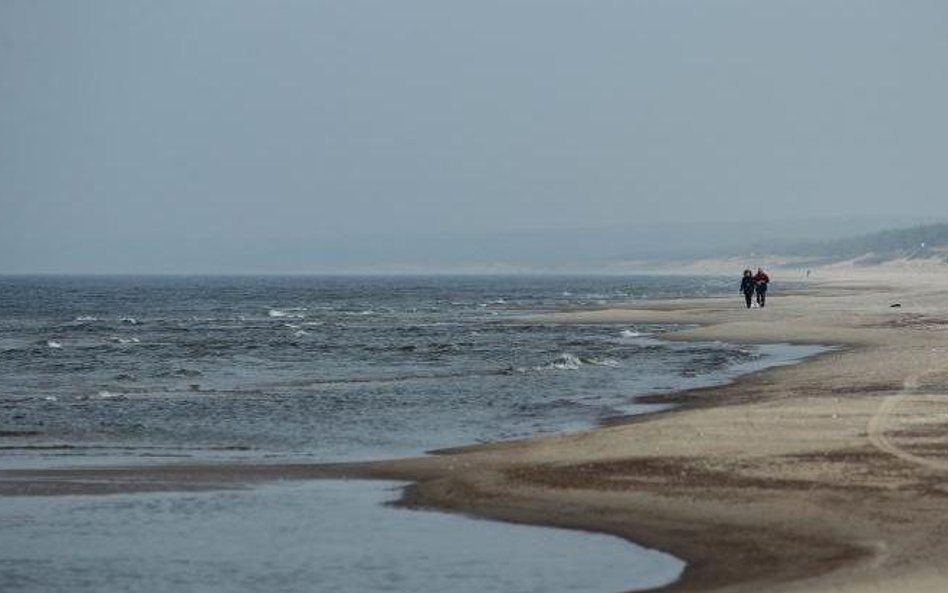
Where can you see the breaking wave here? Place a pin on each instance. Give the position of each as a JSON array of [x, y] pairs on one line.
[[571, 362], [286, 313]]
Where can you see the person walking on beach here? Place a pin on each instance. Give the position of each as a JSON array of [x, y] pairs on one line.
[[761, 280], [747, 287]]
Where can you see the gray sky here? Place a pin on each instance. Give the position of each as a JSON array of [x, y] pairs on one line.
[[232, 135]]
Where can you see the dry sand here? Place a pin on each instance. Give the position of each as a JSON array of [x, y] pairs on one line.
[[828, 476]]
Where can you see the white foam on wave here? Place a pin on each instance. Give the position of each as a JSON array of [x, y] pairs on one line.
[[300, 333], [604, 362], [87, 318], [130, 320], [292, 313], [631, 336], [105, 394], [53, 344], [571, 362], [566, 362], [121, 340]]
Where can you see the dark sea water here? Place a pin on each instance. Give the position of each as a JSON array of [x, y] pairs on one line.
[[325, 368], [107, 370]]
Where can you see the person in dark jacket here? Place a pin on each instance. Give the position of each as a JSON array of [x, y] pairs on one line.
[[761, 280], [747, 287]]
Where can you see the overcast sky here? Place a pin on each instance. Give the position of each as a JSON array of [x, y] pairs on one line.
[[232, 135]]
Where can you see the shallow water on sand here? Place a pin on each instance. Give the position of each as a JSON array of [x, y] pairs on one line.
[[301, 537]]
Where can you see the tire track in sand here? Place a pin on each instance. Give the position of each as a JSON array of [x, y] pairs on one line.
[[877, 426]]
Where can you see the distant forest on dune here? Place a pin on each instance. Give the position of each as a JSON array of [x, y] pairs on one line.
[[917, 242]]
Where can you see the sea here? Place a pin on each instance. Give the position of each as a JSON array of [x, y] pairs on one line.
[[120, 370]]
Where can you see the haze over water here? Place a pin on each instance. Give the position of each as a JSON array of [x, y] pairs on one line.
[[210, 136]]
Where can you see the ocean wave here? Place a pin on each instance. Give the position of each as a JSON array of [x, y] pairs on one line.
[[181, 372], [292, 313], [53, 344], [605, 362], [19, 433], [540, 408], [84, 318], [381, 380], [566, 362], [637, 338], [121, 340], [571, 362]]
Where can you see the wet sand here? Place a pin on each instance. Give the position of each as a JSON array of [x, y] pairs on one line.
[[830, 475]]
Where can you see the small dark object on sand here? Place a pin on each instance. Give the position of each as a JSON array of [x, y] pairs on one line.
[[895, 305]]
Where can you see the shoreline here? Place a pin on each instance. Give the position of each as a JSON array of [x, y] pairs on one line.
[[808, 477]]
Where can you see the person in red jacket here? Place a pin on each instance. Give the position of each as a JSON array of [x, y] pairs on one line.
[[761, 280]]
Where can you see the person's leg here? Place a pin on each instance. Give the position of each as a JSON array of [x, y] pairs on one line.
[[747, 298], [763, 297]]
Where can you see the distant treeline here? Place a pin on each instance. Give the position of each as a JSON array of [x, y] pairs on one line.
[[915, 242]]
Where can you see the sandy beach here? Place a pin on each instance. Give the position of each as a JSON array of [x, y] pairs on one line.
[[826, 476]]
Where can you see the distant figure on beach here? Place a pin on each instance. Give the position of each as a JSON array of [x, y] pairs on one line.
[[760, 286], [747, 287]]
